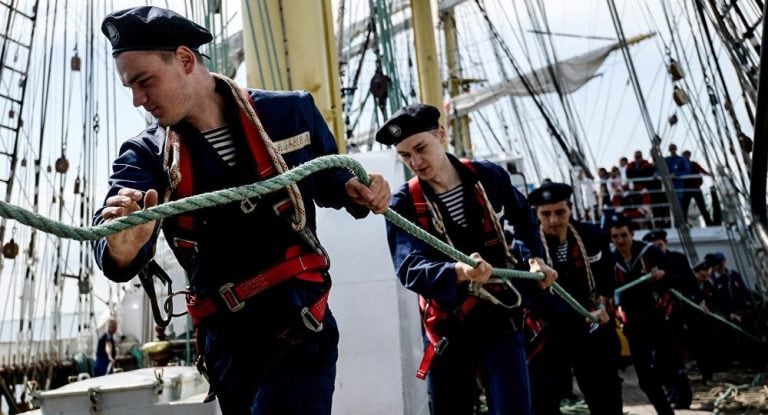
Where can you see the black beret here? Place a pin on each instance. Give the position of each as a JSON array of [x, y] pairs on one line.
[[618, 220], [407, 121], [701, 266], [550, 192], [714, 258], [152, 28], [655, 235]]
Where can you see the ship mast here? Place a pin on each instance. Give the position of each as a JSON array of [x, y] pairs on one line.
[[460, 124], [290, 45]]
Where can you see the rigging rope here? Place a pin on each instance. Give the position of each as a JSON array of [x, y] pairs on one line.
[[223, 196]]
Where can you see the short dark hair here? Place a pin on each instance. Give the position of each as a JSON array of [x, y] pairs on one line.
[[167, 55]]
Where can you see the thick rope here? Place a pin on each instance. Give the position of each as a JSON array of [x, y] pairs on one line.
[[634, 283], [713, 315], [257, 189], [690, 303]]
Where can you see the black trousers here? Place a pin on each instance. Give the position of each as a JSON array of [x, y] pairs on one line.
[[647, 340], [593, 357]]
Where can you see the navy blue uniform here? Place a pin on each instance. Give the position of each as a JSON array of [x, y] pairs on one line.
[[241, 348], [567, 341], [704, 333], [680, 276], [734, 294], [488, 340], [644, 314]]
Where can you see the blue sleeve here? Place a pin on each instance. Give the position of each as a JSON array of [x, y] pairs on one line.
[[137, 167], [655, 257], [331, 191], [743, 290], [420, 268]]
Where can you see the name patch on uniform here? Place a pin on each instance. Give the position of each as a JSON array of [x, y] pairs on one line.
[[595, 258], [292, 143]]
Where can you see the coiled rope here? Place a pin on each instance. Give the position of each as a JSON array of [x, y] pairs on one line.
[[257, 189]]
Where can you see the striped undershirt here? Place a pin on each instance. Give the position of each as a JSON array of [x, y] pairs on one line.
[[454, 203], [221, 140]]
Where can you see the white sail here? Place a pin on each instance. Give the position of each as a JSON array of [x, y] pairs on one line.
[[571, 75]]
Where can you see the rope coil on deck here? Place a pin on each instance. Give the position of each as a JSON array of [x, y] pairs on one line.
[[257, 189]]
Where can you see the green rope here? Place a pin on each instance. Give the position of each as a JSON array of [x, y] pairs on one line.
[[257, 189], [685, 299], [713, 315], [634, 283]]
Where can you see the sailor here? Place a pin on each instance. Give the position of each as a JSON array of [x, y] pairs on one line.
[[679, 276], [258, 277], [680, 267], [105, 350], [735, 294], [704, 333], [640, 311], [581, 255], [737, 305], [466, 204]]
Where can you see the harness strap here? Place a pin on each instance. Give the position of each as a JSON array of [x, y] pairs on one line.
[[256, 143], [420, 202], [234, 295], [185, 188], [259, 153]]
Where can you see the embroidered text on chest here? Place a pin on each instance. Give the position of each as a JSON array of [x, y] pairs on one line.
[[294, 143]]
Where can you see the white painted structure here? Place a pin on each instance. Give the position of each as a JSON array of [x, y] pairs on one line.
[[380, 343], [151, 391]]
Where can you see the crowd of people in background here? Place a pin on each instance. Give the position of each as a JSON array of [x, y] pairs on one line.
[[634, 189]]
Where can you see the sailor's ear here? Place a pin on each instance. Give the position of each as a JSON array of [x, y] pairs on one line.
[[442, 134], [187, 58]]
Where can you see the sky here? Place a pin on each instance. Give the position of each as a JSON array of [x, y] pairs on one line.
[[609, 119]]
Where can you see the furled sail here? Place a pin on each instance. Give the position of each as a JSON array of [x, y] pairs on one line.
[[572, 74]]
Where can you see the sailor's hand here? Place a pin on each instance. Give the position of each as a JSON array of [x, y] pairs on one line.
[[704, 307], [375, 196], [537, 264], [480, 273], [601, 315], [125, 245], [657, 274]]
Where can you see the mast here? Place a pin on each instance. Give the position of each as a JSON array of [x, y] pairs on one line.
[[290, 45], [430, 86], [459, 124]]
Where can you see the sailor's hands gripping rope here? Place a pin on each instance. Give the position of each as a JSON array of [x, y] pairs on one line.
[[125, 245]]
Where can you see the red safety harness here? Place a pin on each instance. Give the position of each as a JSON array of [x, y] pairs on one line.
[[431, 312], [297, 263]]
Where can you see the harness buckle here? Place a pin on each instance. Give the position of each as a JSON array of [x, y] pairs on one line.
[[247, 206], [310, 321], [184, 243], [230, 298]]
